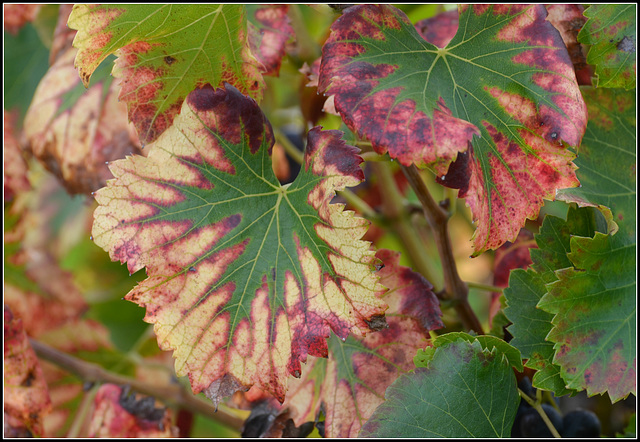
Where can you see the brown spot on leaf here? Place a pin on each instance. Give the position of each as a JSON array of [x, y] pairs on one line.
[[169, 60], [377, 323]]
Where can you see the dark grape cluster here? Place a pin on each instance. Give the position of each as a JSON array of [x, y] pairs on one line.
[[529, 423]]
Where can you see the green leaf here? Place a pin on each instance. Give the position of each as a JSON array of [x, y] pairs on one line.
[[487, 342], [464, 391], [611, 32], [594, 301], [246, 277], [505, 77], [607, 159], [530, 325], [164, 52], [595, 315]]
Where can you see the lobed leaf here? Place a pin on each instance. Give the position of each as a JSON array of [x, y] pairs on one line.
[[594, 304], [439, 400], [164, 52], [611, 32], [246, 277], [594, 300], [531, 325], [505, 77], [607, 160]]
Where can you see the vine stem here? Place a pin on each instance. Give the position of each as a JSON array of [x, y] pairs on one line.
[[171, 394], [454, 288], [537, 405], [395, 211]]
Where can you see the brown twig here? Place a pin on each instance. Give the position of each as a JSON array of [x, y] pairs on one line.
[[454, 288], [171, 394]]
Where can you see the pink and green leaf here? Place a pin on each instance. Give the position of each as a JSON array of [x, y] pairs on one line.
[[424, 104], [269, 35], [611, 32], [164, 52], [350, 384], [245, 277]]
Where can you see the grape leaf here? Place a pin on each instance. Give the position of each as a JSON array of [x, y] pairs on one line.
[[594, 300], [348, 386], [487, 342], [269, 35], [530, 325], [607, 160], [423, 104], [26, 396], [164, 52], [74, 131], [611, 32], [246, 277], [569, 19], [439, 400]]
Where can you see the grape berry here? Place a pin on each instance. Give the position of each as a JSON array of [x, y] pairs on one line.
[[528, 422]]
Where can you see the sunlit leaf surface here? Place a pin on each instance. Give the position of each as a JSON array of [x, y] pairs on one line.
[[246, 277], [164, 52]]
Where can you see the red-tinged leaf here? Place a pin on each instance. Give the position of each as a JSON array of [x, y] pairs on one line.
[[16, 16], [350, 384], [118, 415], [246, 277], [164, 52], [611, 32], [74, 132], [432, 101], [26, 397], [439, 30], [268, 38], [14, 164], [568, 20]]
